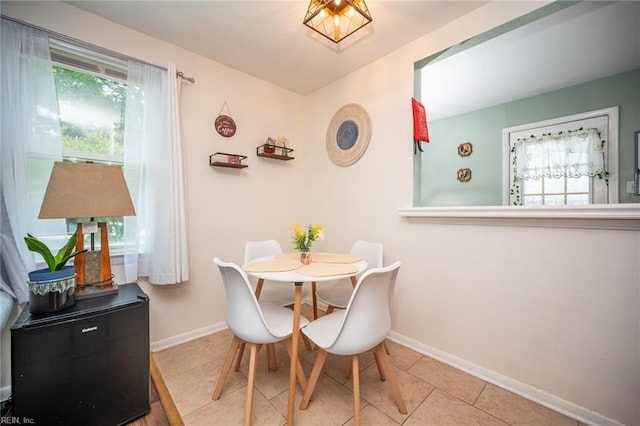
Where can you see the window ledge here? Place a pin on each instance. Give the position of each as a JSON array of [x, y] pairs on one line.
[[596, 216]]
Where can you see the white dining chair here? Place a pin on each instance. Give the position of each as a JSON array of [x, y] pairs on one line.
[[277, 293], [337, 295], [254, 324], [361, 327]]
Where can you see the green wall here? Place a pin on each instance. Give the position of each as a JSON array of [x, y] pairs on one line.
[[483, 128]]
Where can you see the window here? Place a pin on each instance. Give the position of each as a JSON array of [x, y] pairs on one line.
[[33, 141], [563, 161], [91, 93]]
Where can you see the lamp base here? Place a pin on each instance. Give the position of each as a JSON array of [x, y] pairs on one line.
[[89, 291]]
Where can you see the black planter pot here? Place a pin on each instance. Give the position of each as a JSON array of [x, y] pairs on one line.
[[51, 291]]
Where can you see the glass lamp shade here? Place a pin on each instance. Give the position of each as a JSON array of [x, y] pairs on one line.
[[337, 19]]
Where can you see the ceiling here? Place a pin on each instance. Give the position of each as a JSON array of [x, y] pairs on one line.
[[581, 43], [267, 39]]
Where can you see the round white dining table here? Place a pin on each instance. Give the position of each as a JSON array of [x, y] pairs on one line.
[[298, 279]]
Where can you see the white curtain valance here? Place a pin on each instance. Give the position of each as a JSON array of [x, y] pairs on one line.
[[565, 154]]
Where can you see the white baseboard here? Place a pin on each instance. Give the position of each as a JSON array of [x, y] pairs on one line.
[[186, 337], [541, 397], [204, 331]]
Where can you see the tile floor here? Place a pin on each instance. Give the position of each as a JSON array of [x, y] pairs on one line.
[[434, 393]]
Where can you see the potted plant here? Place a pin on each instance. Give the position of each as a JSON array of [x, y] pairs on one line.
[[54, 287]]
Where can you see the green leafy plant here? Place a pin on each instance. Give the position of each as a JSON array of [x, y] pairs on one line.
[[302, 240], [55, 263]]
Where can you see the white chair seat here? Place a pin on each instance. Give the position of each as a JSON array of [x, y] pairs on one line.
[[338, 295], [324, 330], [279, 320], [335, 296], [279, 293]]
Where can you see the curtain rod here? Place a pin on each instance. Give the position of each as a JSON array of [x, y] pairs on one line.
[[99, 49]]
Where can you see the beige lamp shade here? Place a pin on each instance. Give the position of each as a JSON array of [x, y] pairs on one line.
[[86, 190]]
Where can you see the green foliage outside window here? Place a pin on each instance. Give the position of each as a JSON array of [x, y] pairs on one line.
[[92, 111], [105, 98]]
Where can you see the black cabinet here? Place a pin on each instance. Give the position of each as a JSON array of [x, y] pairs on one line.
[[88, 364]]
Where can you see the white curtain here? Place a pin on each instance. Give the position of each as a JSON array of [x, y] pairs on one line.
[[30, 144], [156, 238], [569, 154]]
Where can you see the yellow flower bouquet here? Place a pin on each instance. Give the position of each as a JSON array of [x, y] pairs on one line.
[[302, 240]]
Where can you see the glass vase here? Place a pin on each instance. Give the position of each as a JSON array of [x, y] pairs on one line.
[[305, 257]]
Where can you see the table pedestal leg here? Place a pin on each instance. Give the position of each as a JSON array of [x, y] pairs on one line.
[[297, 301]]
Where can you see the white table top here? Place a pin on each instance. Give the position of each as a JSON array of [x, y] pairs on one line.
[[295, 277]]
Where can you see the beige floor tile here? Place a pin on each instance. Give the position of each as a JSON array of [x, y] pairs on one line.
[[331, 404], [229, 410], [270, 383], [378, 393], [401, 356], [191, 372], [337, 367], [193, 388], [447, 378], [369, 415], [191, 354], [516, 410], [443, 409]]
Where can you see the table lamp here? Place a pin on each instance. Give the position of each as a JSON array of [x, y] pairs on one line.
[[79, 190]]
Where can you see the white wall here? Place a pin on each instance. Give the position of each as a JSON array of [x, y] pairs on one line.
[[556, 319]]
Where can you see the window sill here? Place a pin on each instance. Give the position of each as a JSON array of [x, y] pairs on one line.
[[596, 216]]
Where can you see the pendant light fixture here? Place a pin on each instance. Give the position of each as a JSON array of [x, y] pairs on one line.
[[337, 19]]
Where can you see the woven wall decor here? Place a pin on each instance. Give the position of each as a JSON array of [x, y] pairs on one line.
[[348, 134]]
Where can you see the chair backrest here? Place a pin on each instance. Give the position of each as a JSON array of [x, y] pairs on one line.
[[257, 249], [244, 316], [370, 252], [367, 319]]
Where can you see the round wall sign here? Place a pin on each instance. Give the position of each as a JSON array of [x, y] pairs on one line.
[[348, 134], [225, 126]]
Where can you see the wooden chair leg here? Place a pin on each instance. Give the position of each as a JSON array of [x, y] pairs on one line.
[[313, 378], [329, 310], [356, 389], [386, 347], [239, 357], [307, 342], [391, 378], [349, 367], [250, 385], [380, 370], [272, 361], [224, 373], [299, 370], [314, 298]]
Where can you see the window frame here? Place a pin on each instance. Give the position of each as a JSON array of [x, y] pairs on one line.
[[611, 161], [79, 59]]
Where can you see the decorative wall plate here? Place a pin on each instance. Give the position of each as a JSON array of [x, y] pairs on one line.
[[348, 134], [465, 149], [464, 175]]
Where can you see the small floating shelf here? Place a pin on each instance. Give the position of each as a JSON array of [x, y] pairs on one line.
[[223, 159], [276, 152]]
